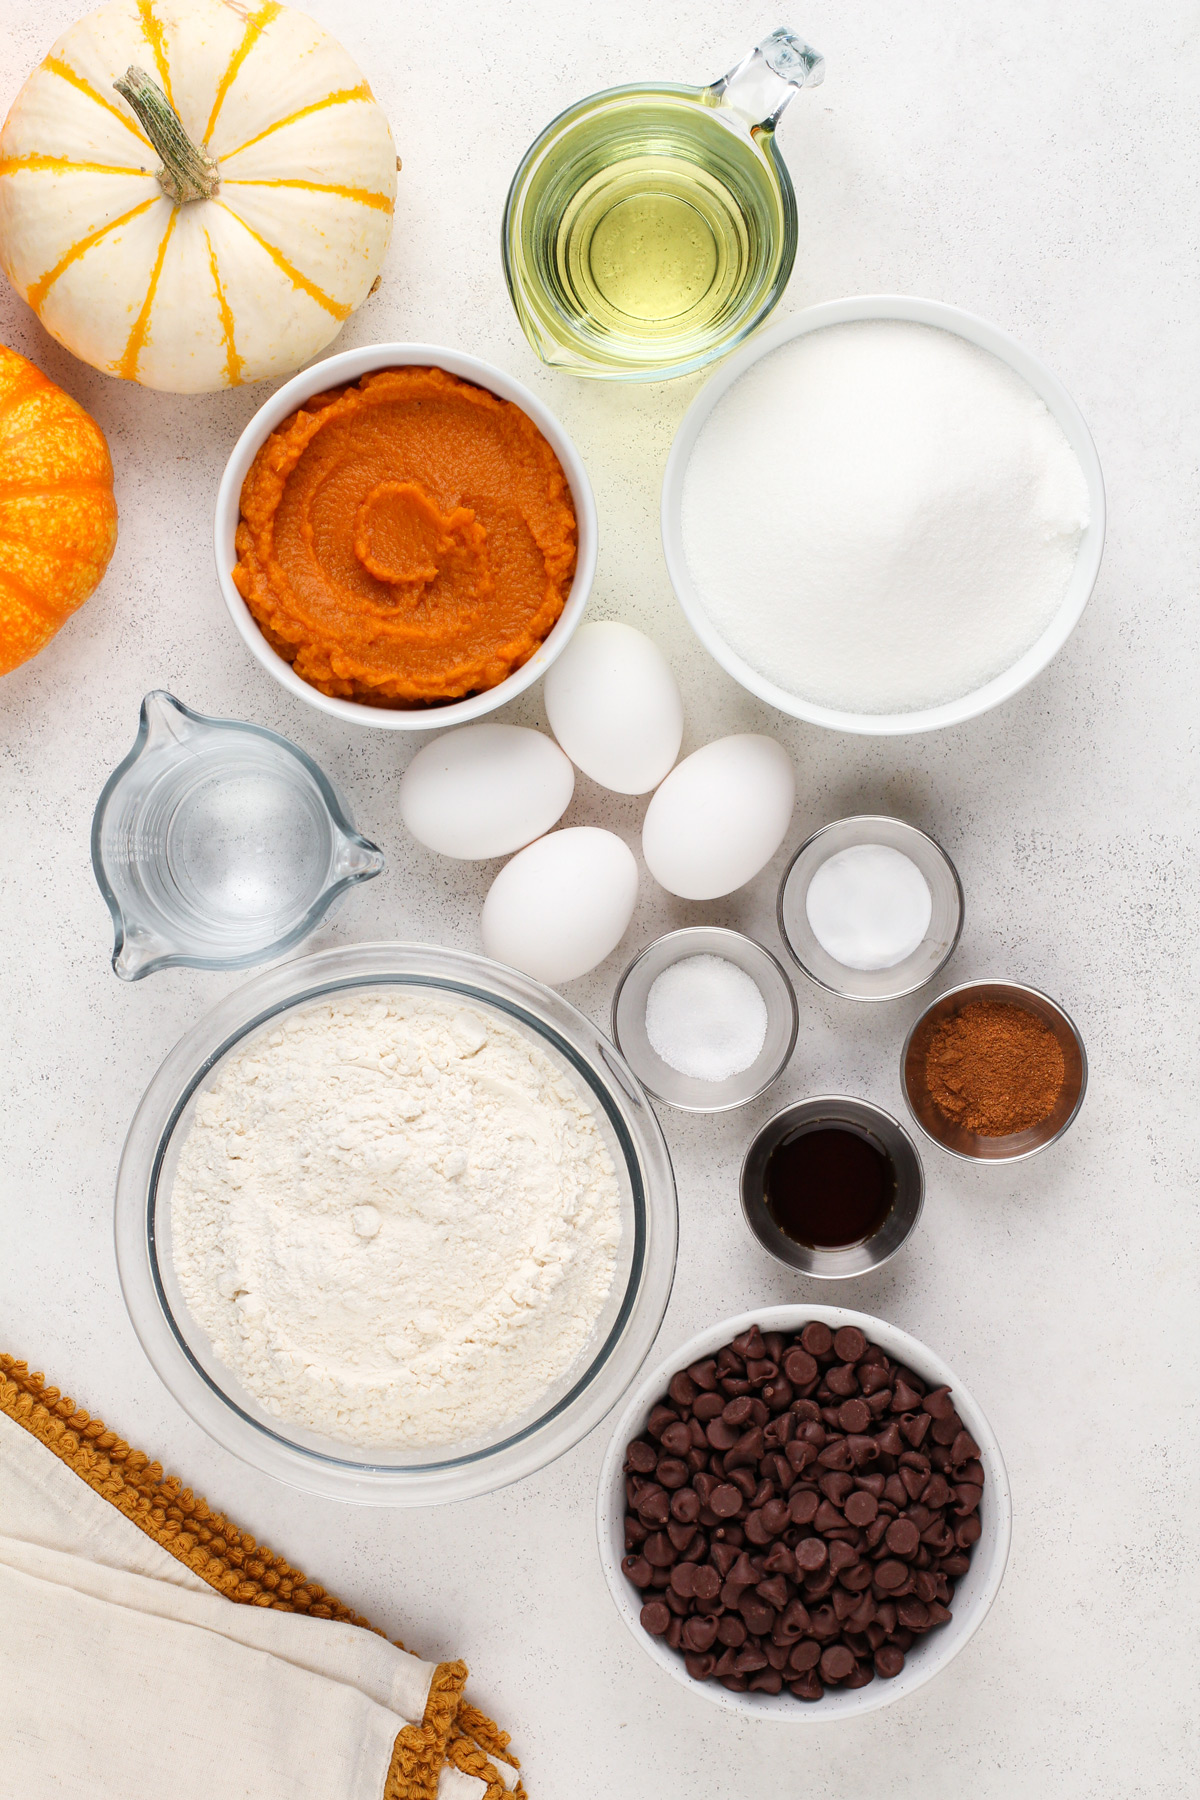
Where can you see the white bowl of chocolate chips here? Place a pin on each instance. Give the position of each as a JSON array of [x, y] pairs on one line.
[[803, 1514]]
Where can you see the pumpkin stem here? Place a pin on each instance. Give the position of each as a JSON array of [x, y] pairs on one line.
[[188, 171]]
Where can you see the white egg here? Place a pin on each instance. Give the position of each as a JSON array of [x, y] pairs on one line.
[[562, 905], [485, 790], [614, 706], [719, 817]]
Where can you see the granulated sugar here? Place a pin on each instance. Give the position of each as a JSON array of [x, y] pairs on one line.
[[706, 1018], [397, 1220], [880, 517]]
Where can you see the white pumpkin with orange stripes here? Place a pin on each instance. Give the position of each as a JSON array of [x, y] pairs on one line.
[[217, 218]]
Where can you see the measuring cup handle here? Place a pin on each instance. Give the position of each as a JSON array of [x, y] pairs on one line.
[[764, 81]]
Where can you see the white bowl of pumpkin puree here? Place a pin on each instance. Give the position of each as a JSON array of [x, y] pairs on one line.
[[405, 536]]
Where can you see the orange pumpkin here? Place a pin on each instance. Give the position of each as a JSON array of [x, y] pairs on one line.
[[58, 518]]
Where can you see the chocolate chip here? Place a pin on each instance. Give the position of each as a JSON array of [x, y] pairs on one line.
[[811, 1554], [659, 1551], [743, 1479], [861, 1508], [700, 1634], [759, 1617], [721, 1435], [807, 1687], [671, 1472], [683, 1389], [793, 1621], [750, 1344], [655, 1617], [706, 1583], [774, 1590], [888, 1575], [659, 1419], [685, 1505], [836, 1663], [747, 1451], [817, 1338], [799, 1367], [653, 1505], [913, 1614], [963, 1449], [803, 1506], [903, 1537], [638, 1570], [761, 1370], [677, 1439], [888, 1661], [849, 1343], [745, 1571], [856, 1578], [641, 1457], [704, 1374], [775, 1516], [853, 1415], [725, 1501]]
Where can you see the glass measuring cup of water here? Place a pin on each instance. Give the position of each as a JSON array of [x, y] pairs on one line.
[[650, 228], [218, 844]]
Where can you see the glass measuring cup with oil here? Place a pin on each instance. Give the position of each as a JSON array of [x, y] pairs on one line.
[[650, 228]]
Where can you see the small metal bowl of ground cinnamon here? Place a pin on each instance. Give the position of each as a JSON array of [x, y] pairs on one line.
[[994, 1071]]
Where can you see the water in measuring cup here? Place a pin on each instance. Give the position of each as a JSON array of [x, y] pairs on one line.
[[246, 849], [220, 845], [649, 234]]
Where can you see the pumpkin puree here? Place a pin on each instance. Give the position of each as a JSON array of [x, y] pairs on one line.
[[407, 540]]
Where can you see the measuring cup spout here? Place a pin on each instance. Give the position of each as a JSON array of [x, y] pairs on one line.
[[764, 82]]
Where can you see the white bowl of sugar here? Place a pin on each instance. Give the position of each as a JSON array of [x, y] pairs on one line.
[[883, 516]]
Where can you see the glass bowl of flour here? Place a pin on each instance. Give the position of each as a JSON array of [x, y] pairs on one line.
[[395, 1224], [883, 516]]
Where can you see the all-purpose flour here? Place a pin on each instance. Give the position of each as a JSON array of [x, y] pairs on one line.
[[880, 516], [396, 1219]]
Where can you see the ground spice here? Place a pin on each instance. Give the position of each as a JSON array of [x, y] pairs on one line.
[[994, 1068]]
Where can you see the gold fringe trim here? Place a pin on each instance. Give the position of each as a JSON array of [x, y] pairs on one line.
[[236, 1565]]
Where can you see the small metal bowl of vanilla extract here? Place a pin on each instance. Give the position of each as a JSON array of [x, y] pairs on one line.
[[832, 1186]]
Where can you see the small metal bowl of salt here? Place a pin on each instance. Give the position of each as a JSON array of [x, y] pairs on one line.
[[871, 908], [706, 1018]]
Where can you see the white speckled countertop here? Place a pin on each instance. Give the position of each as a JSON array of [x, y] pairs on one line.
[[1036, 163]]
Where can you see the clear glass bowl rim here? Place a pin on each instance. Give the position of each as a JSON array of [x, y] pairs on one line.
[[630, 1113]]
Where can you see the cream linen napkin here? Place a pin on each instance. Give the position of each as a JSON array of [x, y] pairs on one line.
[[126, 1663]]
